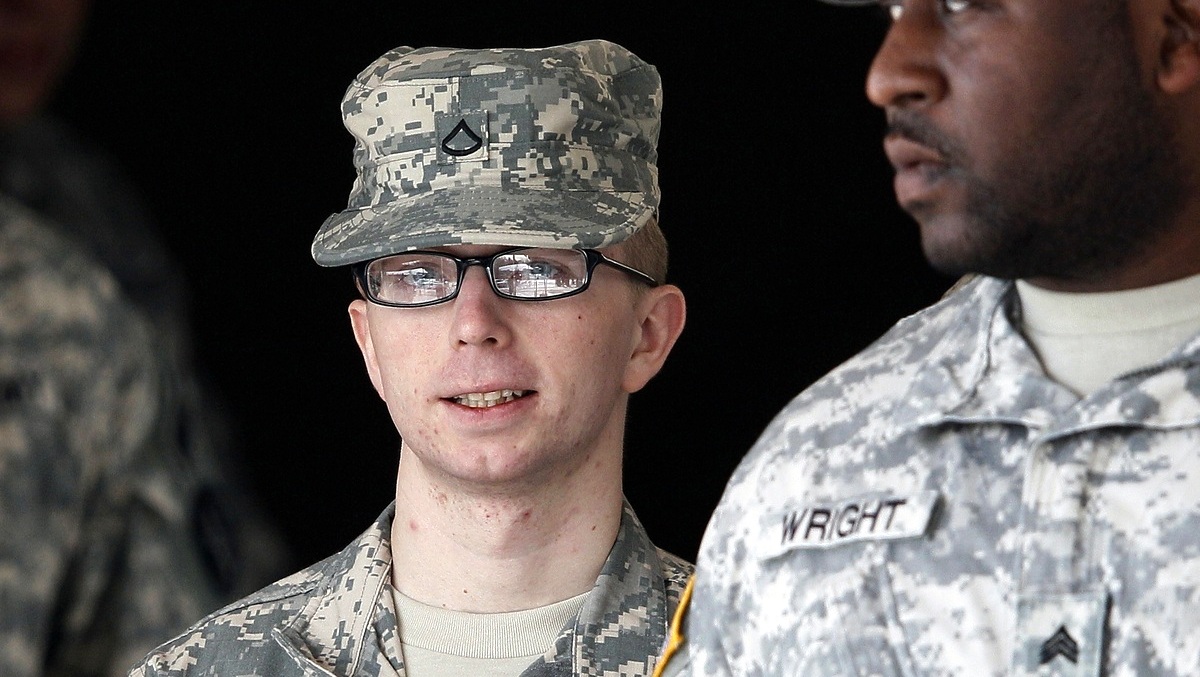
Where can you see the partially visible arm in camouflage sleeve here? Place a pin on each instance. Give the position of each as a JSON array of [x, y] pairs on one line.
[[96, 566]]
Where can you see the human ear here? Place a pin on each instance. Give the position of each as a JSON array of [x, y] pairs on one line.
[[662, 312], [361, 325], [1179, 62]]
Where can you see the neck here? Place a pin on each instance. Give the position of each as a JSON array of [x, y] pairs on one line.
[[490, 550], [1173, 255]]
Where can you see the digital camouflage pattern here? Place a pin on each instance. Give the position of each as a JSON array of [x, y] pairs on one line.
[[98, 556], [549, 147], [48, 168], [938, 506], [338, 618]]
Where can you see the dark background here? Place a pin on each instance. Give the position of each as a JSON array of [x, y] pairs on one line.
[[776, 200]]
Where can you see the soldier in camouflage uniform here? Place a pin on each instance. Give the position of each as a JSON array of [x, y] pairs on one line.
[[47, 166], [509, 548], [117, 492], [1006, 483], [98, 561]]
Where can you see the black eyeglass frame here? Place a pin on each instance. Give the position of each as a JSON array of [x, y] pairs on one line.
[[593, 257]]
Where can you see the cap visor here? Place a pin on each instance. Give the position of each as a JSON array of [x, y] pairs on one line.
[[482, 215]]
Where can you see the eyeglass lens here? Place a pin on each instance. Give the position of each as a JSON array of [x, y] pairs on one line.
[[417, 278]]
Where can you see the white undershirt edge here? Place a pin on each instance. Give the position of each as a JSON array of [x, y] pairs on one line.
[[1087, 340], [439, 642]]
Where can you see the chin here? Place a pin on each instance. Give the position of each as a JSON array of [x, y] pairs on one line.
[[499, 471], [955, 245], [947, 249]]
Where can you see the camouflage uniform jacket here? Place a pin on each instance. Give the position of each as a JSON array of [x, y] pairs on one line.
[[97, 562], [337, 618], [938, 506], [48, 168]]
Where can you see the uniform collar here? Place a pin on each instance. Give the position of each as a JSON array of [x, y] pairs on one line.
[[624, 619], [983, 370], [349, 627]]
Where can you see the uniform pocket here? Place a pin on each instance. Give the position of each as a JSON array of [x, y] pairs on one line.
[[852, 627]]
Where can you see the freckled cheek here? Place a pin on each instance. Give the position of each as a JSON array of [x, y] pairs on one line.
[[402, 372], [413, 431]]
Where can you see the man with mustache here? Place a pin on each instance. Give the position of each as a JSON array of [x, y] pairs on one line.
[[1006, 482], [503, 233]]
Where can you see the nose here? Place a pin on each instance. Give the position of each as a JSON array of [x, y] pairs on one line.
[[906, 72], [479, 314]]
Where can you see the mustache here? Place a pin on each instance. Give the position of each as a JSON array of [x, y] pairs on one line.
[[913, 127]]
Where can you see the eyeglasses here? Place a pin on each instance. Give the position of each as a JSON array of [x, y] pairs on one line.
[[423, 278]]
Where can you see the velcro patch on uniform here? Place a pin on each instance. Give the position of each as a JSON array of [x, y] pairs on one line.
[[1061, 634], [463, 136], [872, 517]]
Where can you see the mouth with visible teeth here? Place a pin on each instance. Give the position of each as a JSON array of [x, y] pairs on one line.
[[488, 399]]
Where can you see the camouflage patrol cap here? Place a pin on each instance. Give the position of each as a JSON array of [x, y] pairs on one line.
[[548, 147]]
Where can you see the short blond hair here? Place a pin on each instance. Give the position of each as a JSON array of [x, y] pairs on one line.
[[646, 250]]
